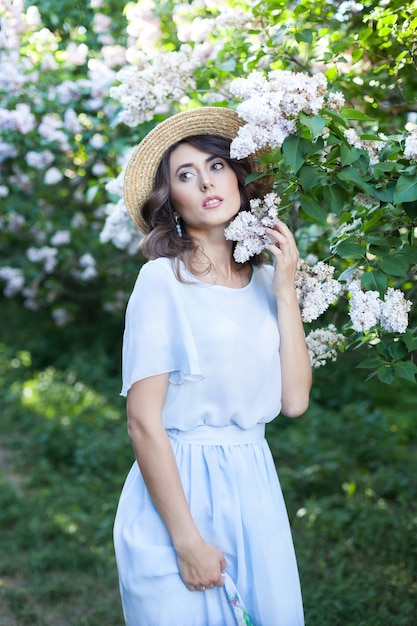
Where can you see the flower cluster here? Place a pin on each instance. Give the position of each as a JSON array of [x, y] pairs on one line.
[[248, 228], [272, 104], [367, 309], [148, 89], [410, 148], [372, 146], [316, 289], [322, 345]]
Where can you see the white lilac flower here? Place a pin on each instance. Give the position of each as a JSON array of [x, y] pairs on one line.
[[50, 129], [98, 169], [322, 344], [14, 280], [67, 91], [410, 148], [52, 176], [335, 101], [316, 289], [149, 89], [371, 146], [119, 229], [4, 191], [7, 151], [61, 237], [101, 23], [96, 141], [114, 55], [76, 53], [394, 311], [33, 17], [61, 317], [24, 120], [45, 254], [48, 62], [71, 122], [365, 307], [88, 263], [235, 18], [271, 106], [78, 220], [197, 31], [248, 228], [39, 160]]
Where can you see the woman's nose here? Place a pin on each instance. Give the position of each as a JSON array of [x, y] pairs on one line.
[[206, 184]]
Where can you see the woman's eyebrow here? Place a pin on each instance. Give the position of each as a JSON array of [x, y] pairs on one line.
[[209, 158]]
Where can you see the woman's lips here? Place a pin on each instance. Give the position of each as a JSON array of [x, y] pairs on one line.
[[212, 202]]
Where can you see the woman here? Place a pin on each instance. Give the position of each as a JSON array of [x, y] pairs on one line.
[[212, 351]]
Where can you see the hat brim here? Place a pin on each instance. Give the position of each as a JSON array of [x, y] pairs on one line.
[[146, 157]]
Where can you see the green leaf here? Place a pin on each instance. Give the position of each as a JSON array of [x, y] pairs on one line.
[[406, 189], [336, 117], [406, 370], [334, 196], [309, 177], [375, 281], [347, 274], [394, 265], [410, 340], [351, 175], [372, 362], [410, 253], [397, 350], [92, 192], [386, 373], [315, 124], [228, 65], [349, 155], [354, 114], [411, 209], [305, 36], [312, 210], [254, 176], [295, 150], [350, 250], [386, 166]]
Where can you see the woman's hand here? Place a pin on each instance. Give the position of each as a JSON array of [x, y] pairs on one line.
[[286, 258], [201, 565]]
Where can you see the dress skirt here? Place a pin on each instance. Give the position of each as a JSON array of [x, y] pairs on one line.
[[232, 488]]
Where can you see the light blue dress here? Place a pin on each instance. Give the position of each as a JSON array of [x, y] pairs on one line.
[[221, 349]]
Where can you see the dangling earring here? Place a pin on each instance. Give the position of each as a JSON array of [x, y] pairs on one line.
[[178, 226]]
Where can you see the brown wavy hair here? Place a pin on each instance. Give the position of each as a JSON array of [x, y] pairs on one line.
[[158, 212]]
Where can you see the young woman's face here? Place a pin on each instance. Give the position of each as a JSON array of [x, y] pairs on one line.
[[204, 188]]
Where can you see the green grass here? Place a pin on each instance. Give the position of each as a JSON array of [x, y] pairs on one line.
[[347, 467]]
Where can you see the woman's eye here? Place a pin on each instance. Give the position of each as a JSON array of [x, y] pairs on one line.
[[183, 176], [217, 165]]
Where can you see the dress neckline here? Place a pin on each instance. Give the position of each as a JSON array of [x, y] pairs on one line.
[[213, 285]]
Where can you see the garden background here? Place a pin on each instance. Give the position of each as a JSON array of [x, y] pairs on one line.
[[69, 258]]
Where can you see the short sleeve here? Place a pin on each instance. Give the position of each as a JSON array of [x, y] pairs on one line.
[[157, 337]]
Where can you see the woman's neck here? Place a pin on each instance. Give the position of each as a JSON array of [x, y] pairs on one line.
[[214, 263]]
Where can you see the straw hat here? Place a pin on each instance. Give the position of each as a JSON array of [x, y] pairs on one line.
[[144, 162]]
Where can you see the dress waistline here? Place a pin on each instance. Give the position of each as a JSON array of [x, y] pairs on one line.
[[219, 435]]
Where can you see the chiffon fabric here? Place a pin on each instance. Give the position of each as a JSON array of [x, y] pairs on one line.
[[221, 349]]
